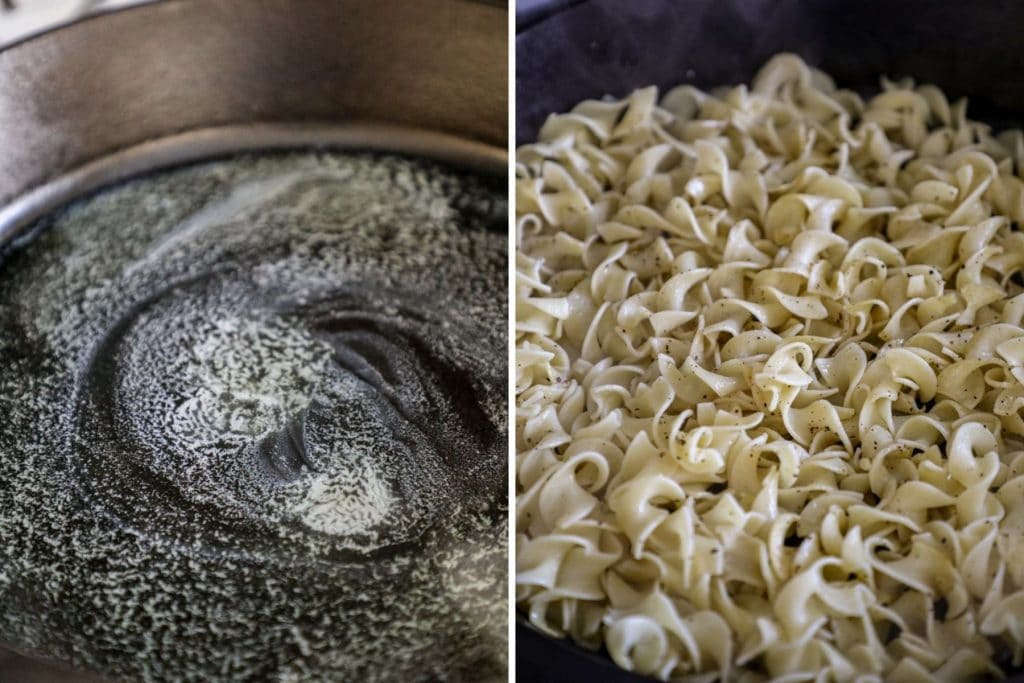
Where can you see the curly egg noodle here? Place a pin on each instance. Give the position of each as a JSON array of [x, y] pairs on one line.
[[770, 374]]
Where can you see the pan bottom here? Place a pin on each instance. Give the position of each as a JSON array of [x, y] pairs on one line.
[[256, 428]]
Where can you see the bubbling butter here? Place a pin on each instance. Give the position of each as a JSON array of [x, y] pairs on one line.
[[255, 424]]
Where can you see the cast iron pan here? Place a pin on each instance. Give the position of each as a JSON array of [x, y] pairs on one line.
[[173, 81], [154, 86], [568, 51]]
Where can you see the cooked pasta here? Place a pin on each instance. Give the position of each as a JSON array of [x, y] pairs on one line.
[[770, 381]]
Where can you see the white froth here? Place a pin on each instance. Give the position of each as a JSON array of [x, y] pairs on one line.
[[372, 564], [250, 377], [332, 507], [217, 214]]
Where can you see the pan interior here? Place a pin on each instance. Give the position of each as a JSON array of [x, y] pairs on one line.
[[254, 408]]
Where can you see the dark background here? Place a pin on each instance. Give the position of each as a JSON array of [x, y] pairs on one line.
[[570, 50]]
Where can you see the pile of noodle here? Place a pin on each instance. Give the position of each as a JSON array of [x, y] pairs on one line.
[[769, 380]]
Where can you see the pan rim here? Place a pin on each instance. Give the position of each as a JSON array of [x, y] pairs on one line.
[[21, 213], [143, 4]]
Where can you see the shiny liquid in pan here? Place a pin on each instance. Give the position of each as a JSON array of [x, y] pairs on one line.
[[254, 424]]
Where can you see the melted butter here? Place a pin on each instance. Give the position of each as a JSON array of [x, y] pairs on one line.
[[256, 411]]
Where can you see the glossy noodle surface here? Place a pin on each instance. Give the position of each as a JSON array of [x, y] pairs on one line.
[[769, 379]]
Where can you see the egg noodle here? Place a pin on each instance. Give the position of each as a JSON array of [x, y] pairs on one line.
[[769, 379]]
